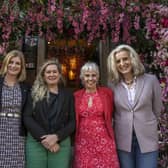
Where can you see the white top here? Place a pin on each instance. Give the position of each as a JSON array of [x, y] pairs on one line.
[[130, 91]]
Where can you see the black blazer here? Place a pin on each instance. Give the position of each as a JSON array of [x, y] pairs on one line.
[[36, 119], [24, 91]]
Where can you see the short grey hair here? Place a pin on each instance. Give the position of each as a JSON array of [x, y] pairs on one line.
[[113, 74], [89, 66]]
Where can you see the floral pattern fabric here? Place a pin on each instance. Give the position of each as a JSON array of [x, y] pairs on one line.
[[94, 148]]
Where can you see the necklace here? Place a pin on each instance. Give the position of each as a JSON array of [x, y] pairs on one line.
[[90, 102], [129, 82]]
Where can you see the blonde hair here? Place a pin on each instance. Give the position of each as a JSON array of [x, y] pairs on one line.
[[40, 89], [6, 60], [137, 67]]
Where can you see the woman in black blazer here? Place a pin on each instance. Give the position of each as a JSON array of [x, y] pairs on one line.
[[13, 95], [49, 119]]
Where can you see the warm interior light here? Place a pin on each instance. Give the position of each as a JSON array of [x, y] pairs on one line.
[[64, 69], [73, 63], [71, 75]]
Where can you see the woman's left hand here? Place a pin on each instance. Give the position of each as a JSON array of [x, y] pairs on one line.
[[49, 140], [55, 148]]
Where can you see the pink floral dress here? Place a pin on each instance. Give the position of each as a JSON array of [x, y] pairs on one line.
[[94, 148]]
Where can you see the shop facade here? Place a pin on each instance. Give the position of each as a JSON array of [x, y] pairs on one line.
[[72, 54]]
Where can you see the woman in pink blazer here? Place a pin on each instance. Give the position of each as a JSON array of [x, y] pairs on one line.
[[137, 98], [94, 140]]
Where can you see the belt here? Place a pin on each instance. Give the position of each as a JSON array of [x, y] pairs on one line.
[[12, 115]]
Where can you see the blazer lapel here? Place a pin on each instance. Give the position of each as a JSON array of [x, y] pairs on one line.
[[139, 88], [124, 95], [60, 101], [1, 84], [78, 99], [24, 93]]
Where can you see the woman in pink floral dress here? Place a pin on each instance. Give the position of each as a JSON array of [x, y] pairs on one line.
[[94, 141]]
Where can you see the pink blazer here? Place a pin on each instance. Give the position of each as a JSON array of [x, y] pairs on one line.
[[106, 96], [142, 116]]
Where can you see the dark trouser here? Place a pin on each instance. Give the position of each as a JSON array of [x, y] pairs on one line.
[[39, 157], [136, 159]]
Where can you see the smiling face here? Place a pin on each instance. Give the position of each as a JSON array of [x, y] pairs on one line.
[[51, 75], [123, 63], [90, 79], [14, 66]]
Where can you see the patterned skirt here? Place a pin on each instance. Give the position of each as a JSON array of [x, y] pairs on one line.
[[12, 145]]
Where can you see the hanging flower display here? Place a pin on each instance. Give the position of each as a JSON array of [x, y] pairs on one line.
[[143, 24]]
